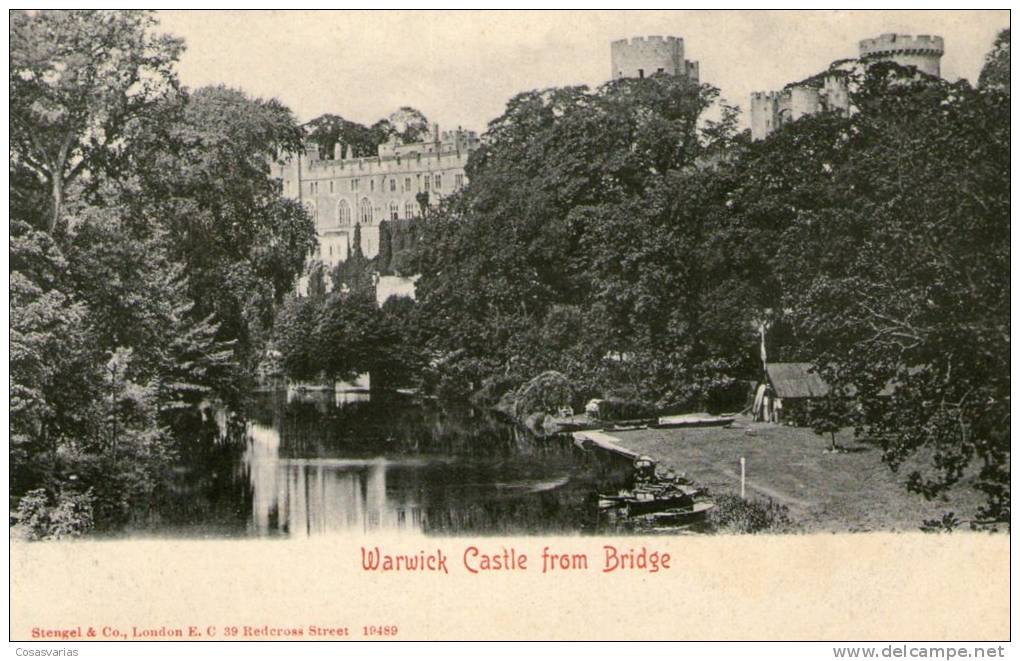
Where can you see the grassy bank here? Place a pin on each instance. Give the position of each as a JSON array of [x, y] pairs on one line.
[[825, 492]]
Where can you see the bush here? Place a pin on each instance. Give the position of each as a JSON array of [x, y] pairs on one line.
[[545, 393], [626, 409], [493, 390], [68, 515], [736, 515]]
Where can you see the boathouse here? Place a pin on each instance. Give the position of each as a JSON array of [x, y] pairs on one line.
[[786, 391]]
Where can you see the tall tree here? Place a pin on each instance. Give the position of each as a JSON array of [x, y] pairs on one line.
[[558, 168], [899, 282], [203, 161], [77, 80], [995, 72]]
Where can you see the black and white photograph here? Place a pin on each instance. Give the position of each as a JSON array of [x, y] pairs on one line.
[[577, 296]]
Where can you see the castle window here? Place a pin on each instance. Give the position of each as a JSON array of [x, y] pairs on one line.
[[365, 211], [439, 181], [640, 73], [343, 213], [458, 181], [371, 185], [407, 184], [394, 211], [393, 185], [354, 184], [408, 209], [660, 70], [330, 185], [427, 180]]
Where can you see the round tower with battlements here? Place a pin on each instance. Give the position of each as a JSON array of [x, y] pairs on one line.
[[923, 51], [641, 57]]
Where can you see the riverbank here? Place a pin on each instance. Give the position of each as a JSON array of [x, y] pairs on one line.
[[852, 491]]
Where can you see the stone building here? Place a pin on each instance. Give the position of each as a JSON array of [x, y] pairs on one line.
[[645, 56], [341, 192], [828, 90]]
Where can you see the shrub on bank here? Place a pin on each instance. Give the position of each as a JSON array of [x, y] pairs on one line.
[[625, 409], [733, 514], [546, 393], [68, 514]]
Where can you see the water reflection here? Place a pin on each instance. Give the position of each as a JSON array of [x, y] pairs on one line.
[[321, 496], [318, 463]]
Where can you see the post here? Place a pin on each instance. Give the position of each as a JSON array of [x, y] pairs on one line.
[[742, 492]]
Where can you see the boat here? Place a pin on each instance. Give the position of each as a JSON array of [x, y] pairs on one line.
[[647, 501], [682, 516], [694, 420]]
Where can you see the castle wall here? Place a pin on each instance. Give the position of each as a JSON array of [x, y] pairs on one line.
[[693, 70], [340, 193], [800, 101], [923, 51], [642, 57], [770, 110], [764, 114], [835, 94]]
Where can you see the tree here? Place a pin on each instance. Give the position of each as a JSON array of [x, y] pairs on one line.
[[77, 81], [294, 335], [355, 275], [828, 415], [53, 362], [203, 161], [409, 124], [358, 140], [113, 349], [896, 275], [995, 72], [568, 209]]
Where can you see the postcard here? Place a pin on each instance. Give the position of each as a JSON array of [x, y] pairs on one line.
[[510, 325]]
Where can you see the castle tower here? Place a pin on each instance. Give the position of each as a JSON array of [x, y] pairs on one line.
[[641, 57], [923, 51]]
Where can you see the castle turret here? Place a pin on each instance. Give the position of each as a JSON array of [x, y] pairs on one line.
[[764, 114], [923, 51], [641, 57]]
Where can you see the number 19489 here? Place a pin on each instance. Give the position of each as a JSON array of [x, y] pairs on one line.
[[373, 630]]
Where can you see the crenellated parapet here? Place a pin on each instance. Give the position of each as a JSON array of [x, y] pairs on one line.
[[890, 44], [922, 51], [829, 89], [642, 57]]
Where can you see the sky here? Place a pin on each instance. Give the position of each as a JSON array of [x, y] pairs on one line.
[[460, 68]]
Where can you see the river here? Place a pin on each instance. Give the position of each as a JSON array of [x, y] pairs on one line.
[[307, 464]]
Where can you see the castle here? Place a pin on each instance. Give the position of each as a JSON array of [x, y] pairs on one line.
[[402, 180], [394, 184], [645, 56], [340, 192], [829, 91]]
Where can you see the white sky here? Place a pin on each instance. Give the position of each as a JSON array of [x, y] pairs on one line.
[[460, 68]]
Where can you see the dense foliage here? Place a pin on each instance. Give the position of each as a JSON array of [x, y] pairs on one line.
[[149, 250], [359, 141], [619, 238]]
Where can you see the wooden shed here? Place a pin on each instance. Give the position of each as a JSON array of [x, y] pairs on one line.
[[787, 390]]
